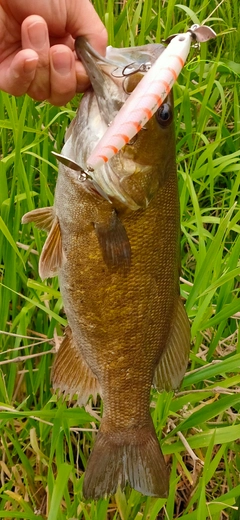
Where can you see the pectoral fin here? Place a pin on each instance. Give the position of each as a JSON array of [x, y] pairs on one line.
[[52, 256], [71, 374], [114, 243], [173, 362]]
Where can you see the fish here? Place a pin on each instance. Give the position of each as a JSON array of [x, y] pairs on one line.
[[114, 242], [149, 95]]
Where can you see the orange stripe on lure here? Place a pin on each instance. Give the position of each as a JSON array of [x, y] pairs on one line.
[[148, 95]]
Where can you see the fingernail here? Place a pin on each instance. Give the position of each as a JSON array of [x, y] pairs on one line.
[[62, 62], [30, 65], [37, 33]]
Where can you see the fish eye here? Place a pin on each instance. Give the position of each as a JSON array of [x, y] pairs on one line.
[[164, 115]]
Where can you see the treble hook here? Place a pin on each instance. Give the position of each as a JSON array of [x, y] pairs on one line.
[[143, 67], [123, 73]]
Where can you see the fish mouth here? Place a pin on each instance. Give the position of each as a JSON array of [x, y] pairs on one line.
[[114, 76]]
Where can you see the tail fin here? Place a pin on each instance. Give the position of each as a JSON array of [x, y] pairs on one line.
[[132, 456]]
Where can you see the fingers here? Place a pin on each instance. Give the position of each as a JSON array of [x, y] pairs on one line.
[[55, 75], [52, 72], [35, 37], [62, 75], [83, 81], [17, 74]]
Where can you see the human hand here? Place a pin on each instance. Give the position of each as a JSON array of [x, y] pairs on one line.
[[37, 47]]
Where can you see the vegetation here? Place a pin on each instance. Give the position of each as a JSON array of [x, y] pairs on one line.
[[45, 443]]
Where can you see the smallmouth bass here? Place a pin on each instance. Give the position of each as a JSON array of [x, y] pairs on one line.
[[113, 240]]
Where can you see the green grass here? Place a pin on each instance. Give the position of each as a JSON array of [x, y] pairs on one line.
[[44, 443]]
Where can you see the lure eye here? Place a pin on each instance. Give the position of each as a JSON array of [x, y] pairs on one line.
[[164, 115]]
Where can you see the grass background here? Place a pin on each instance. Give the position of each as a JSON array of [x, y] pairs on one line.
[[45, 444]]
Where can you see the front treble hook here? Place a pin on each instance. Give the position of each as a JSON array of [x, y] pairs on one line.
[[132, 68]]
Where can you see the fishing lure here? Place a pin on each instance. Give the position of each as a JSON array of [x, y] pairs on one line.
[[148, 95]]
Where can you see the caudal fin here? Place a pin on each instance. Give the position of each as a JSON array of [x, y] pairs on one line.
[[133, 456]]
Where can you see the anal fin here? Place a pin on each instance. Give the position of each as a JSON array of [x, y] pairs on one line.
[[174, 359], [114, 243], [71, 374]]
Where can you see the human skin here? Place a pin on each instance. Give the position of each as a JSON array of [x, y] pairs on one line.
[[37, 47]]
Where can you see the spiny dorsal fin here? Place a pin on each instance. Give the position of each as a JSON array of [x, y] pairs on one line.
[[71, 374], [42, 218], [114, 243], [173, 362], [52, 256]]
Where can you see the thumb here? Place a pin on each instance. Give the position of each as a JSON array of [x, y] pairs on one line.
[[82, 20]]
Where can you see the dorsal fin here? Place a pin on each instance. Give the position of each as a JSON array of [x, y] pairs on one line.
[[71, 374], [52, 255]]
